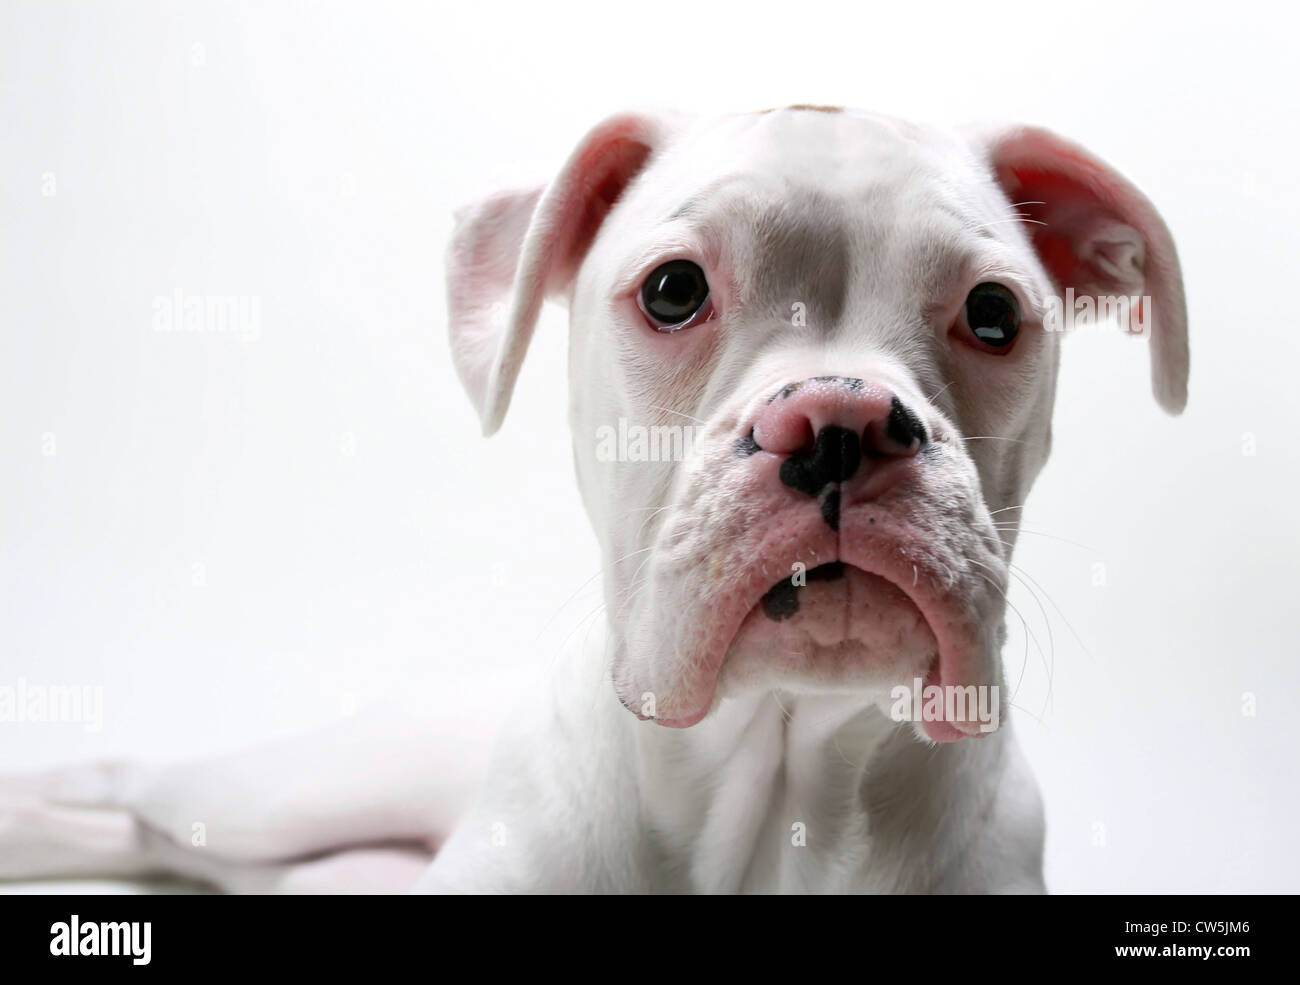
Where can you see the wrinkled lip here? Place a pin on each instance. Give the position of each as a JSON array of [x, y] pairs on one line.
[[871, 539]]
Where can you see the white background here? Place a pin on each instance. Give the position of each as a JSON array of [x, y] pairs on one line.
[[243, 537]]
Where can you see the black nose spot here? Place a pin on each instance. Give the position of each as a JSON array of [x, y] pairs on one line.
[[746, 445], [852, 382], [835, 457], [785, 391], [831, 509], [904, 428]]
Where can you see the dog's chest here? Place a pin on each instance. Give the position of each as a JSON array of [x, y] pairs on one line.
[[782, 812]]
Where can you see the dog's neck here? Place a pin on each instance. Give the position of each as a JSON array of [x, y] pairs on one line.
[[800, 793]]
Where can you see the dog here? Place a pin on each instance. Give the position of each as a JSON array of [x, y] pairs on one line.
[[798, 684]]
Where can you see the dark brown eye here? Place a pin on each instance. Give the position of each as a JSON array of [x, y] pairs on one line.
[[674, 293], [993, 315]]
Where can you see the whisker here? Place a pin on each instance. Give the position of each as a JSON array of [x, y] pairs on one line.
[[669, 410], [584, 623], [1024, 661], [1001, 222], [1051, 638], [1039, 533], [1052, 602], [631, 554], [577, 591], [567, 602], [634, 586], [933, 397], [1047, 665], [1025, 711], [641, 528]]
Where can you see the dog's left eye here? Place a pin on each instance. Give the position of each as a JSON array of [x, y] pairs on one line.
[[674, 294], [993, 315]]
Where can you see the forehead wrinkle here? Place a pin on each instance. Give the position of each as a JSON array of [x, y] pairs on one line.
[[986, 231], [943, 266], [695, 208], [953, 250]]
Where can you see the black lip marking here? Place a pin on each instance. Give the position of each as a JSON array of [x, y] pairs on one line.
[[835, 457], [782, 600], [746, 445], [831, 509], [831, 571], [904, 428]]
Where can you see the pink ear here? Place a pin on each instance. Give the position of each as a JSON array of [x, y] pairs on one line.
[[1100, 236], [511, 251]]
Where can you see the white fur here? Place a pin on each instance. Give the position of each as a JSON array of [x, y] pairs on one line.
[[789, 783]]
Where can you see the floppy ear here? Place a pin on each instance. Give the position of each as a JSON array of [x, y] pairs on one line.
[[512, 251], [1100, 236]]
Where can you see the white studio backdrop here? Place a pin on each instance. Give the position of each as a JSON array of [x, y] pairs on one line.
[[238, 534]]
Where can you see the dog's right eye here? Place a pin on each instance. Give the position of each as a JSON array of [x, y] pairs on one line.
[[675, 295]]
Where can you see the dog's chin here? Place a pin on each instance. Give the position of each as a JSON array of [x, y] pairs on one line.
[[842, 630]]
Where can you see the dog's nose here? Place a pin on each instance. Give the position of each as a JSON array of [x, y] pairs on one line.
[[826, 426]]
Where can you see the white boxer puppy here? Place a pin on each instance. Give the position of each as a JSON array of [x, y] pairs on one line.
[[788, 329]]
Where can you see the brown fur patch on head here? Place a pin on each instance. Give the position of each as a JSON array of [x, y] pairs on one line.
[[806, 107]]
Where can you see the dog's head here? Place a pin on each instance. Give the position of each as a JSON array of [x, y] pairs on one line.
[[812, 372]]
